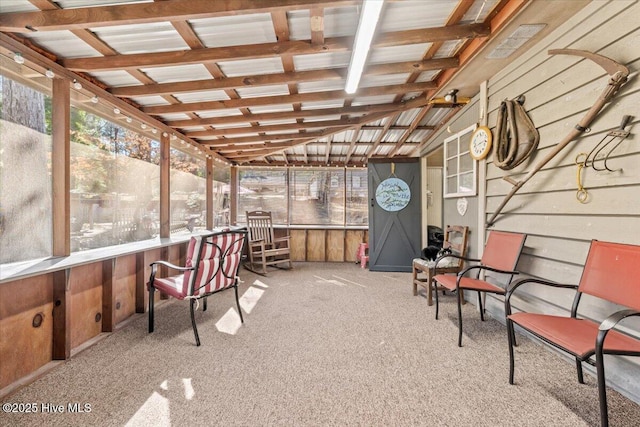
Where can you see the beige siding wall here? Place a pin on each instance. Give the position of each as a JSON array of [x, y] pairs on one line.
[[559, 90]]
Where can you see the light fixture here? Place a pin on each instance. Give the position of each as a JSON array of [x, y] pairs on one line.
[[18, 58], [165, 134], [129, 119], [154, 131], [49, 73], [76, 84], [364, 34], [451, 96], [143, 125], [94, 99], [116, 110]]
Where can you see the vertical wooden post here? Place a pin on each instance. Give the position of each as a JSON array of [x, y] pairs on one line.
[[165, 192], [108, 294], [233, 195], [141, 281], [209, 195], [60, 155], [61, 349]]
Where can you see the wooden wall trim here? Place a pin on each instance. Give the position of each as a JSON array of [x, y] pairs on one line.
[[165, 190], [61, 316], [209, 194]]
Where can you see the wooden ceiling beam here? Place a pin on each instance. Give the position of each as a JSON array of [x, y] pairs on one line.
[[285, 99], [145, 13], [269, 50], [279, 79]]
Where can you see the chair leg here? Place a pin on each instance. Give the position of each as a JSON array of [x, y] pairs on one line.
[[193, 321], [204, 304], [510, 337], [238, 304], [435, 285], [480, 306], [151, 301], [602, 389], [459, 318], [579, 369]]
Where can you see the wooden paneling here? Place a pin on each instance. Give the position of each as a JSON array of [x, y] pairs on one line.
[[26, 323], [316, 245], [335, 245], [352, 241], [125, 287], [298, 245], [85, 299]]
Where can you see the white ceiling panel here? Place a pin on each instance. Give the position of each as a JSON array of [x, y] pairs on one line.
[[204, 96], [116, 78], [320, 86], [251, 67], [259, 91], [415, 14], [178, 73], [391, 54], [322, 61], [337, 22], [235, 30], [142, 38]]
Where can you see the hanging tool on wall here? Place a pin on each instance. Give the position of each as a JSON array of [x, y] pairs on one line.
[[610, 137], [581, 160], [618, 76], [516, 135]]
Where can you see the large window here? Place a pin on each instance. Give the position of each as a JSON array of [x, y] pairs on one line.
[[25, 170], [188, 192], [114, 183], [221, 201], [317, 196], [305, 196], [356, 197], [263, 189]]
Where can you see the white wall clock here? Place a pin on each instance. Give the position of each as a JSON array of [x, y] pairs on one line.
[[480, 144]]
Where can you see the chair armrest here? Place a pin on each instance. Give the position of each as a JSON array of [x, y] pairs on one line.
[[282, 239], [515, 285], [609, 323], [486, 267], [154, 266]]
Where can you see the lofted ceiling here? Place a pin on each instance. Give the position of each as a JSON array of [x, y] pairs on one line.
[[260, 82]]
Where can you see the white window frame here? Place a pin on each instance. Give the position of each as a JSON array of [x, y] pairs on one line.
[[462, 138]]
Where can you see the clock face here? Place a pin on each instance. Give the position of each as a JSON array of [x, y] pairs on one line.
[[480, 143]]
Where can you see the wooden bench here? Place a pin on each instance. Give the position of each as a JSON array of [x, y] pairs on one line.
[[611, 273]]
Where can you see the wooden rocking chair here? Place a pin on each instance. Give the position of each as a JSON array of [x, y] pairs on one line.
[[263, 248]]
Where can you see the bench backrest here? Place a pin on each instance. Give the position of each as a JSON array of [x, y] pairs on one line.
[[503, 249], [612, 272]]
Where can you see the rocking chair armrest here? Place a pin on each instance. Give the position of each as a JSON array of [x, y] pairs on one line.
[[515, 285], [282, 239], [257, 242]]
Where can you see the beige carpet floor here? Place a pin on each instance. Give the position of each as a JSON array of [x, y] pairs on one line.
[[323, 345]]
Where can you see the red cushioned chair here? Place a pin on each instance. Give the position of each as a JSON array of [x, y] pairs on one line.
[[501, 254], [212, 266], [611, 273]]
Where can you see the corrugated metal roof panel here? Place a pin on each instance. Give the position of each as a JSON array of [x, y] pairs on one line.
[[427, 76], [318, 86], [479, 11], [408, 15], [72, 4], [393, 135], [174, 116], [210, 95], [337, 22], [142, 38], [331, 103], [259, 91], [11, 6], [148, 101], [407, 117], [366, 100], [449, 48], [63, 44], [386, 55], [436, 116], [368, 135], [420, 135], [277, 122], [235, 30], [384, 80], [178, 73], [251, 67], [116, 78], [271, 108], [322, 60], [219, 113], [362, 150]]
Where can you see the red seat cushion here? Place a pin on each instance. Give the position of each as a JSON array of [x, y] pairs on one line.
[[449, 282], [173, 285], [576, 336]]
